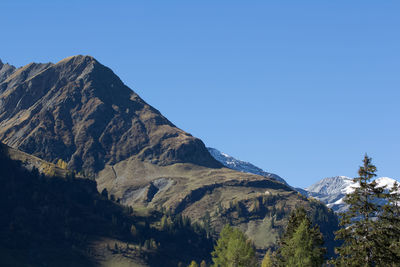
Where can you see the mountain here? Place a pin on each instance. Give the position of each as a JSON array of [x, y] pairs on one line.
[[332, 190], [5, 70], [240, 165], [80, 112], [31, 162]]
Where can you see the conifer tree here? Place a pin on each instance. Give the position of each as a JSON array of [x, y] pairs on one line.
[[233, 249], [359, 230], [301, 251], [388, 250], [301, 244]]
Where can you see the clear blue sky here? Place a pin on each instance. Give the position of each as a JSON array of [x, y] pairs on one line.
[[299, 88]]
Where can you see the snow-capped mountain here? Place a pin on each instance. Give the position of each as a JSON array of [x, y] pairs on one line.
[[332, 190], [240, 165]]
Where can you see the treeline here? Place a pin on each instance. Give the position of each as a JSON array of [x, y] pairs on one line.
[[369, 233]]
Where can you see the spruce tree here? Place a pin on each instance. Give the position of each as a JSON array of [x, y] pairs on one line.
[[301, 244], [359, 227], [388, 250]]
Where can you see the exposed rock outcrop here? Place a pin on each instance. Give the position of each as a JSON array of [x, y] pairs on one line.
[[80, 111]]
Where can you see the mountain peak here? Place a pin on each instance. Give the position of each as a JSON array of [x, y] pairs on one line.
[[5, 70], [329, 185], [385, 182], [332, 190], [78, 59], [80, 111]]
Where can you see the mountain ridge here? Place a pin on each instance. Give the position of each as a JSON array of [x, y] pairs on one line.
[[332, 190], [242, 166], [89, 112], [5, 70]]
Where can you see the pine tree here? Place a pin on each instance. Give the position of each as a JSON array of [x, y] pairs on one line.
[[388, 250], [301, 244], [233, 249], [359, 230]]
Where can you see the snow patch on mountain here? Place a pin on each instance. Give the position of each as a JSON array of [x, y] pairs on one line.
[[242, 166], [332, 190]]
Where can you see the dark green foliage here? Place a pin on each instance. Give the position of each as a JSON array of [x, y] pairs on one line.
[[388, 251], [359, 230], [233, 249], [301, 244], [328, 223]]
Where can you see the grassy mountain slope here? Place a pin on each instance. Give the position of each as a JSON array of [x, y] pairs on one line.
[[79, 111]]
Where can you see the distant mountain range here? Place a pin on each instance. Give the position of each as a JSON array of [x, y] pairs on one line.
[[332, 190], [242, 166]]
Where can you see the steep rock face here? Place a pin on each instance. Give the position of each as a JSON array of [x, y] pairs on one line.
[[80, 111], [5, 71]]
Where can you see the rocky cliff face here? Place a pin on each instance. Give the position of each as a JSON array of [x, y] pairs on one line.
[[5, 70], [80, 111]]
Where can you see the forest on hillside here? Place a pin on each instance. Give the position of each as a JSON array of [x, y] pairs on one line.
[[55, 221]]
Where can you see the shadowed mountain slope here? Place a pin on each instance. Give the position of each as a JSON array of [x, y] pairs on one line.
[[64, 221]]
